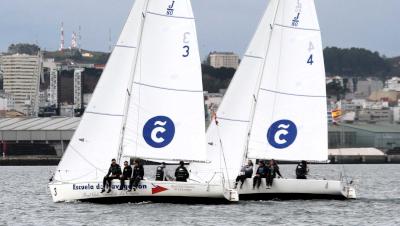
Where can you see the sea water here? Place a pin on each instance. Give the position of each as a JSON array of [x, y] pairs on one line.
[[25, 200]]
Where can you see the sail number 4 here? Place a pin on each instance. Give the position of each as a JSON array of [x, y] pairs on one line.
[[310, 60]]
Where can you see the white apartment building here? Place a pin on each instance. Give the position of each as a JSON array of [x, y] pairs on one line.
[[21, 77], [393, 84], [7, 102], [223, 59]]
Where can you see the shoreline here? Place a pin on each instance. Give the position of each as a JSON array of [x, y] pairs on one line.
[[54, 160]]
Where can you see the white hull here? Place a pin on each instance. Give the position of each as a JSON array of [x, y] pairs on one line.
[[296, 189], [169, 191]]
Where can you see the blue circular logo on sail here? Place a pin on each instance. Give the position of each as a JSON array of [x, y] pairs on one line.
[[282, 134], [159, 131]]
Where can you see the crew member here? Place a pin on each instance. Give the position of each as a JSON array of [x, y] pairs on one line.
[[137, 175], [273, 170], [126, 175], [115, 171], [260, 173], [160, 173], [245, 172], [181, 173], [302, 170]]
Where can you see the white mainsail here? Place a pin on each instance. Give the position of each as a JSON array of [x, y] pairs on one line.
[[235, 112], [289, 120], [97, 138], [166, 114]]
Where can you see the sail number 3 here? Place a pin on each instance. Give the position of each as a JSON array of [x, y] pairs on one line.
[[186, 47]]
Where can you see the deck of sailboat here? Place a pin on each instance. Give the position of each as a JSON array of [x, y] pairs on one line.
[[292, 189], [152, 191]]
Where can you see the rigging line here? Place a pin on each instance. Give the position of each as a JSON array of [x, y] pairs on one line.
[[130, 83], [85, 159], [258, 86], [340, 153], [223, 156], [73, 179]]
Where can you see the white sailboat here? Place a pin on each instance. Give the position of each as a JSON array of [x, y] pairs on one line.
[[148, 104], [275, 106]]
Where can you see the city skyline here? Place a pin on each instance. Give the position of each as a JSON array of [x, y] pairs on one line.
[[222, 25]]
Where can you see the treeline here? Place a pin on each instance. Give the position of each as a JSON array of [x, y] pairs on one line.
[[76, 56], [215, 79], [59, 56], [356, 62], [23, 48]]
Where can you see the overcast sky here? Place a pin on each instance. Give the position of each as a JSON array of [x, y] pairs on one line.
[[223, 25]]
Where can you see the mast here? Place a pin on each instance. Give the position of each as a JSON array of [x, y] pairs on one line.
[[130, 84], [255, 97]]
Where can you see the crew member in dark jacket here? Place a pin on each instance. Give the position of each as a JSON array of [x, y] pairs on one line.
[[245, 172], [115, 171], [160, 173], [302, 170], [260, 173], [137, 175], [273, 170], [181, 173], [126, 175]]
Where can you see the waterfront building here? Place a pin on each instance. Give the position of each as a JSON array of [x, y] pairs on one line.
[[375, 115], [366, 87], [383, 136], [7, 101], [223, 59], [393, 84], [396, 114], [86, 99], [21, 77], [78, 88], [390, 96]]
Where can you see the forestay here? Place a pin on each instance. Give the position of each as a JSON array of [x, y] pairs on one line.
[[96, 140], [166, 111], [290, 116]]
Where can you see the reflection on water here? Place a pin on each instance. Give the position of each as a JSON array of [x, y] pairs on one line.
[[24, 200]]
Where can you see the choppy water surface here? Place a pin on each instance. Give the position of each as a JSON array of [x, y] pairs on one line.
[[24, 200]]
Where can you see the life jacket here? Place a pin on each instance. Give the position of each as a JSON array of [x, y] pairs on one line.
[[115, 169], [160, 173], [300, 170], [181, 174], [248, 171]]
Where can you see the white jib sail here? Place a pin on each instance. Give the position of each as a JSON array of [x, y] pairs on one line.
[[166, 112], [290, 116], [96, 140], [235, 112]]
